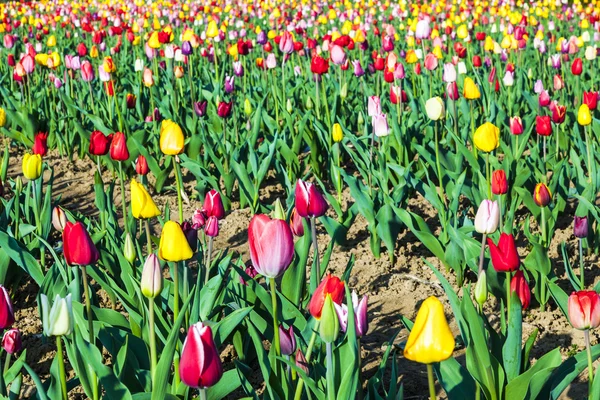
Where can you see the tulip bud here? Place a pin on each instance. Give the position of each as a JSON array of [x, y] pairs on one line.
[[309, 103], [329, 328], [173, 243], [11, 341], [519, 285], [486, 137], [337, 134], [247, 107], [288, 106], [488, 217], [211, 228], [481, 292], [151, 283], [542, 195], [59, 218], [142, 205], [309, 201], [141, 165], [278, 211], [499, 182], [129, 249], [301, 361], [287, 340], [344, 91], [584, 116], [213, 205], [58, 320], [7, 317], [78, 247], [504, 255], [32, 166], [296, 223], [516, 126], [580, 227]]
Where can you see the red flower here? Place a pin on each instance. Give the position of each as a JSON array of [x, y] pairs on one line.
[[476, 61], [39, 144], [499, 182], [543, 126], [99, 144], [379, 64], [319, 65], [118, 147], [7, 315], [309, 201], [330, 285], [519, 284], [584, 309], [577, 66], [504, 256], [591, 99], [224, 109], [558, 112], [200, 365], [141, 165], [213, 205], [541, 195], [78, 247]]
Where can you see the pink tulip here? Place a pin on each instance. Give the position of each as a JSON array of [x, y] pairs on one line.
[[213, 205], [374, 106], [87, 71], [271, 61], [431, 62], [271, 245], [286, 44], [519, 284], [338, 56], [584, 310], [7, 316], [309, 201], [28, 64], [200, 365], [380, 125], [361, 320], [449, 74]]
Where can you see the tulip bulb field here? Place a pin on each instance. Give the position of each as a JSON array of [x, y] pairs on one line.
[[320, 199]]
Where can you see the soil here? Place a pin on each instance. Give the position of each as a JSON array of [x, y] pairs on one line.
[[394, 290]]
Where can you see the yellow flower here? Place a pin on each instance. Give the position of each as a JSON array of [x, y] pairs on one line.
[[411, 56], [584, 117], [32, 166], [142, 205], [337, 133], [212, 30], [462, 32], [153, 41], [486, 137], [51, 42], [2, 117], [171, 138], [430, 340], [94, 51], [470, 90], [173, 244], [41, 59]]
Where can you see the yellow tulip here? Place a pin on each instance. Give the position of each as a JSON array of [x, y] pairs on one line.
[[187, 35], [153, 41], [486, 137], [94, 51], [430, 340], [470, 90], [584, 117], [173, 244], [32, 166], [171, 138], [2, 117], [41, 59], [51, 42], [142, 205], [411, 56], [337, 133], [462, 32], [212, 30]]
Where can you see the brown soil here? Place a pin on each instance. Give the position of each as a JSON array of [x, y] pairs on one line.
[[393, 290]]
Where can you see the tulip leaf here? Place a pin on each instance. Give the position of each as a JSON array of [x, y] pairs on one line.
[[293, 282], [227, 325], [22, 258], [560, 297], [229, 382], [419, 228], [511, 351], [308, 381], [529, 384]]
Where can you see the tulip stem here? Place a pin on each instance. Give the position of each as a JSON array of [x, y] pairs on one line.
[[61, 367], [179, 189], [316, 262], [482, 253], [437, 164], [508, 297], [276, 342], [330, 373], [543, 226], [487, 175], [431, 382], [581, 265], [153, 358], [202, 393], [589, 155], [123, 206], [7, 362], [208, 260], [586, 335], [88, 307], [148, 237], [317, 96], [311, 343]]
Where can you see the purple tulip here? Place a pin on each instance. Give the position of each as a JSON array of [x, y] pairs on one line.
[[580, 227], [287, 340], [186, 48], [200, 108]]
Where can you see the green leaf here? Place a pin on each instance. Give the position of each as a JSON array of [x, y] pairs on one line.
[[529, 384], [229, 382], [22, 257], [511, 351]]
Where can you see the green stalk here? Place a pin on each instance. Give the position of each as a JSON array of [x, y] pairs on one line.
[[437, 164], [153, 358], [88, 307], [276, 342], [589, 154], [581, 265], [330, 373], [61, 368], [431, 380], [482, 253], [543, 226], [123, 206], [508, 277], [7, 362], [179, 189], [311, 343], [316, 261], [202, 393], [208, 260], [148, 237], [586, 335]]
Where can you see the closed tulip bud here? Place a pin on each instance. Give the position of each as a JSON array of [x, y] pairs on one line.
[[344, 91], [171, 138], [516, 126], [32, 166], [519, 285], [330, 286], [374, 106], [329, 328], [211, 228], [449, 74], [129, 249], [590, 99], [499, 182], [278, 211], [434, 107], [296, 223], [584, 116], [380, 125], [142, 205], [452, 91], [337, 133], [59, 218], [173, 243], [213, 205], [151, 283], [470, 89], [118, 147], [544, 99], [141, 165], [2, 117], [78, 247], [504, 255], [584, 310], [487, 217], [200, 108], [178, 71], [148, 77], [271, 245], [431, 339], [309, 201], [99, 144], [580, 227], [11, 341], [18, 184], [481, 292], [486, 137], [200, 364], [40, 145], [287, 340], [309, 103], [7, 316], [224, 109], [130, 100], [542, 195], [508, 79], [543, 125], [301, 361], [58, 320], [577, 67], [247, 107]]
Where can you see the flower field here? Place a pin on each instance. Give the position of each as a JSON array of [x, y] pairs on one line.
[[299, 200]]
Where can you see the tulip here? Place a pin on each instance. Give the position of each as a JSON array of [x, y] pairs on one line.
[[173, 243], [431, 62], [118, 147], [2, 117], [423, 29], [141, 165], [543, 125], [32, 166], [361, 321], [577, 67], [211, 228], [329, 286], [224, 109], [486, 137], [129, 249], [558, 83], [358, 69], [329, 328], [434, 107], [487, 217], [59, 219], [430, 339], [504, 255], [584, 116], [78, 247], [584, 310], [508, 79], [147, 78], [87, 71], [336, 133], [580, 227], [590, 99], [452, 91], [171, 138], [99, 144], [449, 74], [499, 182], [11, 341], [142, 205], [380, 125], [58, 320], [271, 245], [481, 292], [516, 126], [200, 108], [200, 365], [39, 145], [519, 285], [542, 195], [151, 283], [287, 340], [286, 44], [309, 201], [213, 205], [7, 316], [558, 112], [544, 99], [130, 101], [338, 56], [470, 90], [374, 106]]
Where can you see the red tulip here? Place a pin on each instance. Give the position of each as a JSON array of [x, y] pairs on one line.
[[82, 50], [558, 112], [452, 91], [516, 125], [224, 109], [309, 201], [519, 284], [39, 144], [544, 99], [99, 144], [319, 65], [271, 245], [591, 99], [541, 195], [504, 256], [118, 147], [577, 66], [499, 182], [476, 61], [130, 100], [296, 223], [78, 247], [584, 310], [213, 205], [141, 165], [396, 94], [329, 286], [11, 341], [379, 64], [200, 365], [543, 125], [7, 316]]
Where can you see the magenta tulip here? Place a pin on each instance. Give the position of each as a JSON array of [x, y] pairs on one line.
[[200, 365], [213, 205], [7, 316], [309, 201], [271, 245]]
